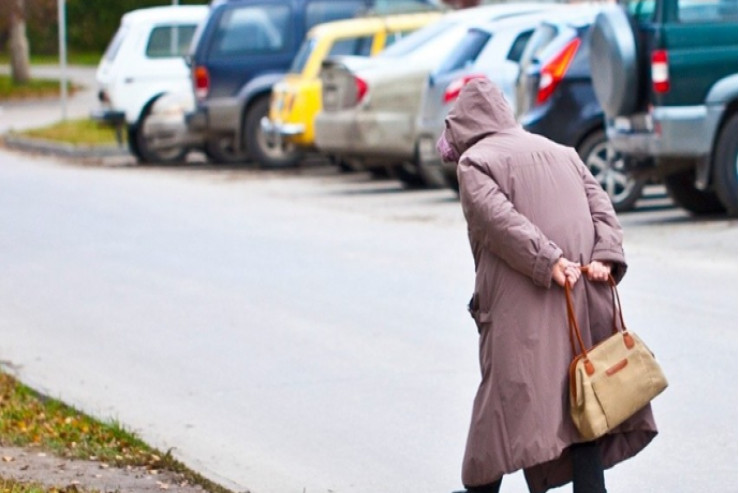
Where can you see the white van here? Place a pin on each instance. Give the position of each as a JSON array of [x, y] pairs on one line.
[[144, 62]]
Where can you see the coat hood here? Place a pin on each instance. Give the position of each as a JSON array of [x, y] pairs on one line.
[[480, 110]]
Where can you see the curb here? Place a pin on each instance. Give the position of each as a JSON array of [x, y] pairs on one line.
[[62, 149]]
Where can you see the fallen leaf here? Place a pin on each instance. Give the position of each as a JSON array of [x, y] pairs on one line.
[[7, 458]]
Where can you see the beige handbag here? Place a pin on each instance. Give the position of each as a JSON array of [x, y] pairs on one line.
[[614, 379]]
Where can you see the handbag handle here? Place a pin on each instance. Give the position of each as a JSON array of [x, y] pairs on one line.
[[575, 332]]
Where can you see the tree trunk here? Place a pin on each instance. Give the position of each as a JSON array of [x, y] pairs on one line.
[[20, 64]]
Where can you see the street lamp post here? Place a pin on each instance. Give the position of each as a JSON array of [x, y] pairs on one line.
[[63, 55]]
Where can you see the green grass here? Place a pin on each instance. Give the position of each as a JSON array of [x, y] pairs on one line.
[[11, 486], [29, 419], [90, 59], [75, 132], [36, 88]]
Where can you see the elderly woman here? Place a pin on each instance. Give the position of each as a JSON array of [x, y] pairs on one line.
[[535, 215]]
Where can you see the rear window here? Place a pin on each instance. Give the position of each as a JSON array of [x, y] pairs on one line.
[[169, 41], [322, 11], [539, 40], [301, 58], [418, 38], [466, 52], [517, 47], [252, 30], [707, 11], [115, 44], [352, 46]]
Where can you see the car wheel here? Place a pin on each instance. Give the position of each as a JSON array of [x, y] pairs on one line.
[[220, 150], [146, 150], [614, 63], [681, 188], [268, 153], [132, 139], [725, 166], [608, 167]]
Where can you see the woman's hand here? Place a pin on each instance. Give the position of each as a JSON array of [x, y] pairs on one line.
[[565, 270], [598, 271]]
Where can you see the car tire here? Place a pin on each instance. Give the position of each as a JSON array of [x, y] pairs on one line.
[[614, 61], [608, 168], [220, 150], [133, 145], [143, 145], [683, 191], [725, 166], [259, 146]]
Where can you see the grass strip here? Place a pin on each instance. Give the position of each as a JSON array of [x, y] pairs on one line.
[[76, 132], [30, 419], [36, 88], [11, 486]]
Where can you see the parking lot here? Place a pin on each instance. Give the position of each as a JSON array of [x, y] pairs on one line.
[[306, 329]]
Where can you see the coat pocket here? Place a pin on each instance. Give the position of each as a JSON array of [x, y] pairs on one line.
[[482, 318]]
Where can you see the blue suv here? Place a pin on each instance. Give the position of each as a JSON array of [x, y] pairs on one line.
[[239, 52]]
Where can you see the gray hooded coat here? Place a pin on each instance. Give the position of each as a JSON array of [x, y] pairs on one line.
[[527, 202]]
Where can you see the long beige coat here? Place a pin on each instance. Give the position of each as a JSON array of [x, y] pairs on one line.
[[528, 201]]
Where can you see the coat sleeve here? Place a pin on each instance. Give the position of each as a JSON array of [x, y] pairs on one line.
[[502, 230], [608, 241]]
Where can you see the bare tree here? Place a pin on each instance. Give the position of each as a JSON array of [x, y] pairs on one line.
[[20, 64]]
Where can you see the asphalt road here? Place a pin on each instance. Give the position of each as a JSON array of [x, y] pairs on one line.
[[296, 332]]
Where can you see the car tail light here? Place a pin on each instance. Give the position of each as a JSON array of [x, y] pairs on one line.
[[554, 71], [454, 88], [201, 82], [361, 89], [659, 71]]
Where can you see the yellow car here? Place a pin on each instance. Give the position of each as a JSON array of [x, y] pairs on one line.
[[296, 99]]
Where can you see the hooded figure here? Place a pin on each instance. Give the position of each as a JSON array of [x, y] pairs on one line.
[[530, 203]]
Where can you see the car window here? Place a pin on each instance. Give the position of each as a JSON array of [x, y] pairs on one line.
[[301, 58], [517, 47], [352, 46], [418, 38], [321, 11], [642, 10], [707, 11], [466, 51], [252, 29], [541, 37], [169, 41], [391, 6], [115, 44], [395, 36]]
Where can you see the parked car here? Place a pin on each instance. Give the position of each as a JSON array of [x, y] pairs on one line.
[[369, 109], [243, 48], [489, 50], [558, 101], [297, 97], [665, 73], [143, 63]]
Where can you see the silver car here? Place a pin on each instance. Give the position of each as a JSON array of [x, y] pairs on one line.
[[491, 50], [370, 106]]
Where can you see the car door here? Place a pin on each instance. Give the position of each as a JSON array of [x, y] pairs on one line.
[[700, 39]]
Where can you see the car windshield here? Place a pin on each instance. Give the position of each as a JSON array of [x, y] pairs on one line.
[[416, 39], [466, 52]]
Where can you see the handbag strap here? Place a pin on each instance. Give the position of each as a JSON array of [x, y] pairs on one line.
[[576, 340]]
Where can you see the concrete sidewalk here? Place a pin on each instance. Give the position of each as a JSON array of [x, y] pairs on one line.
[[24, 115]]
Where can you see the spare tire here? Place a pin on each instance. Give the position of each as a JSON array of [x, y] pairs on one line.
[[614, 62]]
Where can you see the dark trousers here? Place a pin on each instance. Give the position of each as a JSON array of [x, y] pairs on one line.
[[588, 471]]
